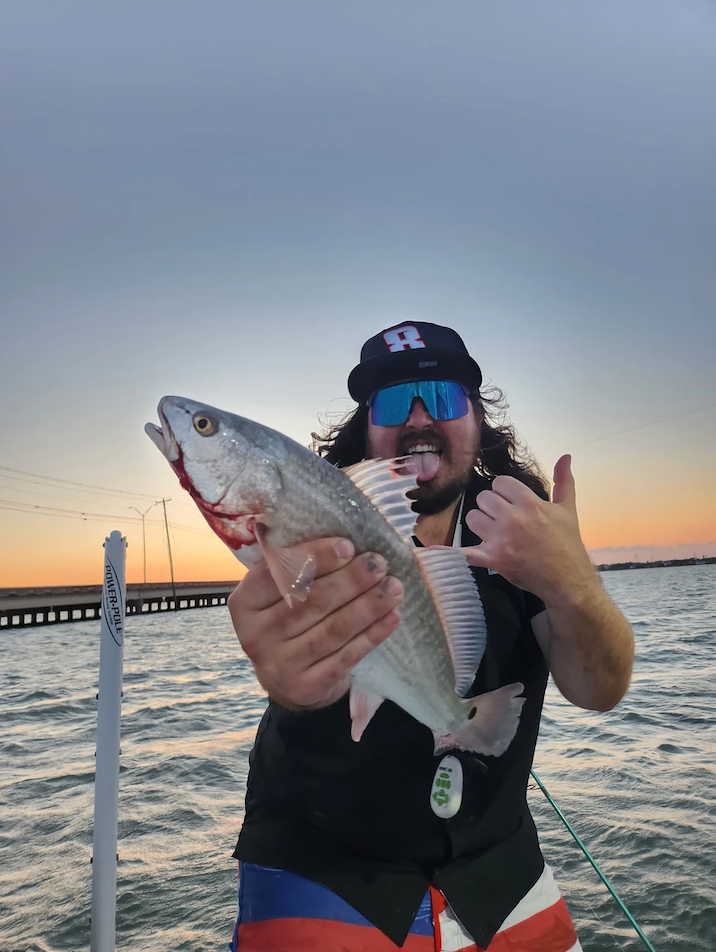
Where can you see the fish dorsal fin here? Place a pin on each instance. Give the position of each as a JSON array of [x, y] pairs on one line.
[[386, 483], [459, 606]]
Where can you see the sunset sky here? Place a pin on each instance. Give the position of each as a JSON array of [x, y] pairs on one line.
[[223, 201]]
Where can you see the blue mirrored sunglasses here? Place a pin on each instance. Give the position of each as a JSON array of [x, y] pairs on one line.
[[443, 399]]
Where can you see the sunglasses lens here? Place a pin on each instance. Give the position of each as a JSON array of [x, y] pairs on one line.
[[391, 406], [443, 399], [450, 400]]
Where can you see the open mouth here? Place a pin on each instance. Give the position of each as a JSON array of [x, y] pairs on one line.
[[236, 529], [163, 438], [165, 441], [425, 458]]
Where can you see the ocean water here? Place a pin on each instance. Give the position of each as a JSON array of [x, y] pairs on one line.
[[638, 784]]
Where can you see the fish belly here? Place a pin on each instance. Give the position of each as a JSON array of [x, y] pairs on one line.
[[413, 668]]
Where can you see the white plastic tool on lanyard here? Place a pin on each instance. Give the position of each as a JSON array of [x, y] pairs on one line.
[[446, 791]]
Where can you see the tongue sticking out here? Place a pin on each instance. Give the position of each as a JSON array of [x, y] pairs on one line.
[[425, 465]]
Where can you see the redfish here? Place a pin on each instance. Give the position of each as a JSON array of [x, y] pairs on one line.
[[263, 493]]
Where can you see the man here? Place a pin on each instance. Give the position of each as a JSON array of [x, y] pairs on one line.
[[348, 845]]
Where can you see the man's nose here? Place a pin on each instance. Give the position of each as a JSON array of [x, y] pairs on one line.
[[419, 416]]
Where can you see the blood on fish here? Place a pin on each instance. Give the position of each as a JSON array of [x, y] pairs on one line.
[[235, 530]]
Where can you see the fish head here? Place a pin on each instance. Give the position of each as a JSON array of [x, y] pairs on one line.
[[229, 465]]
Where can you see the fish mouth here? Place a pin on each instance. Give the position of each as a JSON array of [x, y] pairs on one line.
[[167, 444], [236, 529], [163, 438]]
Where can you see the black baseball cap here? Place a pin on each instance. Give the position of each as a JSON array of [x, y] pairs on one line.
[[413, 350]]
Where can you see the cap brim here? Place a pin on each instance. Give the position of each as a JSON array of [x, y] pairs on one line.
[[421, 364]]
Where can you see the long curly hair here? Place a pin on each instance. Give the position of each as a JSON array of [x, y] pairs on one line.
[[501, 452]]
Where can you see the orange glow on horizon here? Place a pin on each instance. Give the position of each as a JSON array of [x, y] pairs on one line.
[[615, 513], [39, 552]]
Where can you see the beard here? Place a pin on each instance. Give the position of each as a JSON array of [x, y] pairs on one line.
[[428, 500]]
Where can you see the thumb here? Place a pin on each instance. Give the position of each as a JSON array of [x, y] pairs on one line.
[[564, 491]]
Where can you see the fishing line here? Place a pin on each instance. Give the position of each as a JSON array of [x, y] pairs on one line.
[[563, 877], [641, 426], [594, 863]]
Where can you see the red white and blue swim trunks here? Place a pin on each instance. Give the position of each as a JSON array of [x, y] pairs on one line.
[[282, 912]]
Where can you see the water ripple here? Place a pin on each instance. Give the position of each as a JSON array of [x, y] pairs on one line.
[[638, 783]]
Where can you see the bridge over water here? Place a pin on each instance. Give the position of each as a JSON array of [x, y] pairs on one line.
[[43, 605]]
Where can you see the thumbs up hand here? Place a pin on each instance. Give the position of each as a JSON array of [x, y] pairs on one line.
[[564, 492], [532, 543]]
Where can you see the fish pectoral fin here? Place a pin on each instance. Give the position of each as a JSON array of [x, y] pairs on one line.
[[493, 725], [458, 603], [363, 705], [293, 573]]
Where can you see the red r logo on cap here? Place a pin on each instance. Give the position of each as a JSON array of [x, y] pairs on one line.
[[403, 338]]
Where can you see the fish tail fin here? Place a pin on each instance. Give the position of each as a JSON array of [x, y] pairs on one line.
[[491, 724]]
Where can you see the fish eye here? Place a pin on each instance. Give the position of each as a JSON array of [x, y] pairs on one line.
[[205, 424]]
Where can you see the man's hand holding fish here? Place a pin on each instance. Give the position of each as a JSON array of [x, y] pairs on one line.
[[303, 655]]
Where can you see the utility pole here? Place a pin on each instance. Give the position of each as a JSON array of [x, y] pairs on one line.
[[144, 536], [169, 548]]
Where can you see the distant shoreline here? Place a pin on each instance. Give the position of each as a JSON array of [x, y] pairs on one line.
[[139, 588], [665, 563]]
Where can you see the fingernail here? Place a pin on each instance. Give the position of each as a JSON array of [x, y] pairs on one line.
[[391, 585], [375, 562], [344, 549]]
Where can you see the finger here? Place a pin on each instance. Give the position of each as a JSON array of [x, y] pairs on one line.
[[479, 523], [492, 504], [477, 556], [330, 670], [342, 626], [258, 590], [511, 489], [337, 591], [564, 492]]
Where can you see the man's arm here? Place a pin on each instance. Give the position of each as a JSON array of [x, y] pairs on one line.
[[536, 545], [589, 648]]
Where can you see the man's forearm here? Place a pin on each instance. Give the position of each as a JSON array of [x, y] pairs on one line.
[[589, 646]]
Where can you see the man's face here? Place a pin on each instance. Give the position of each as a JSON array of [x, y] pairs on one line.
[[443, 451]]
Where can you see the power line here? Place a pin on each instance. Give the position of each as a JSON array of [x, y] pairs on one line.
[[49, 491], [15, 506], [203, 532], [63, 513], [69, 483], [50, 483]]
